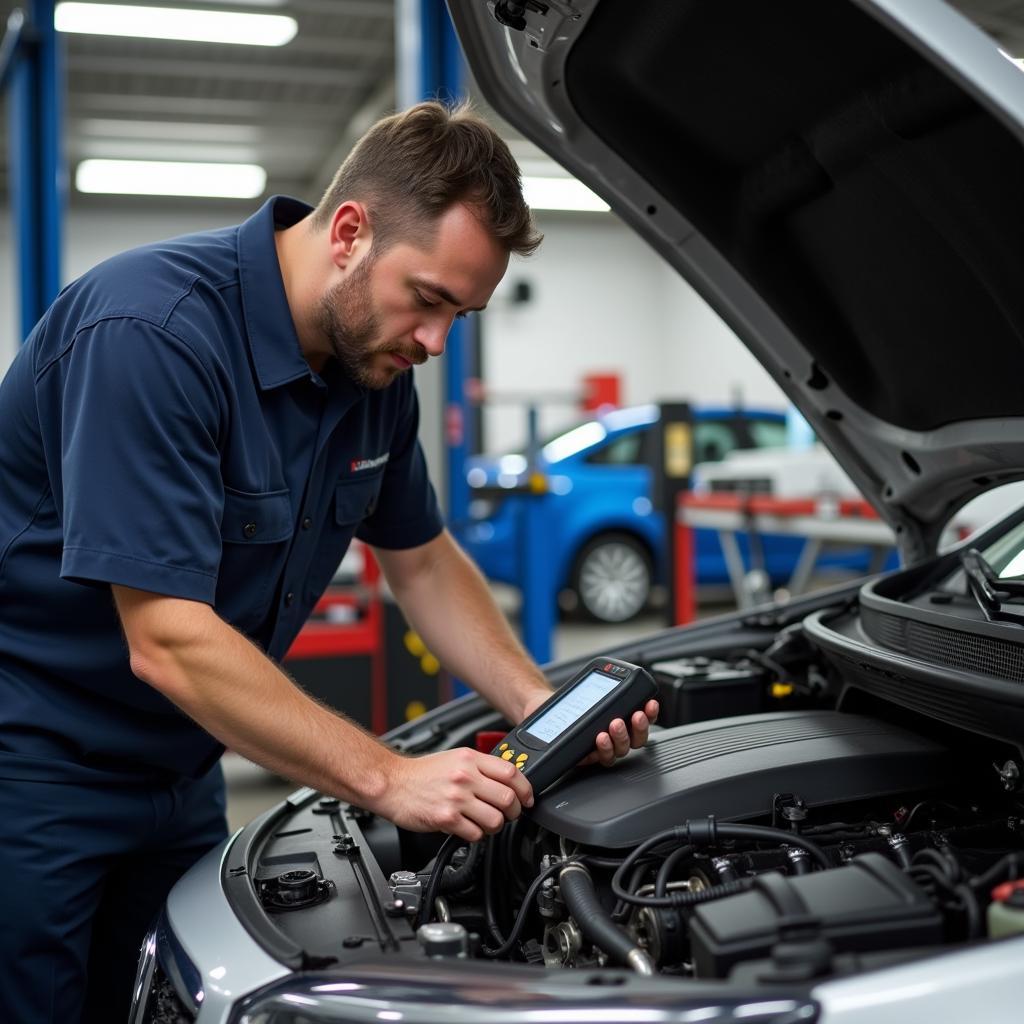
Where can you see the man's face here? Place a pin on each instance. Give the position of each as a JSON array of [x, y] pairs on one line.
[[394, 310]]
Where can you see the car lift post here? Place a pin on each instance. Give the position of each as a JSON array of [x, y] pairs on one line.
[[536, 559], [672, 477], [437, 68], [31, 64], [430, 65]]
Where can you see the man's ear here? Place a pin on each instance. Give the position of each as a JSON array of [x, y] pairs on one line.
[[349, 234]]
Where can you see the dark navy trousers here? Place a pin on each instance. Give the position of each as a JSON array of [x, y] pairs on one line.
[[83, 872]]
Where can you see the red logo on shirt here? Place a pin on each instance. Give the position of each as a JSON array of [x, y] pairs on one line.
[[358, 465]]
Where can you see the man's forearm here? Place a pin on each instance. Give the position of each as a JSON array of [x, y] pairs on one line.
[[184, 650], [238, 695], [450, 605]]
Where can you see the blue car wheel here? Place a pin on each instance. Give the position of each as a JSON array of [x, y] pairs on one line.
[[612, 577]]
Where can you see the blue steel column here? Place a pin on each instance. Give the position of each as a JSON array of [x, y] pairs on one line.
[[441, 69], [537, 582], [430, 66], [442, 77], [37, 173]]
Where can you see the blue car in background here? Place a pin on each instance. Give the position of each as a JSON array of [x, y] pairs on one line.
[[603, 523]]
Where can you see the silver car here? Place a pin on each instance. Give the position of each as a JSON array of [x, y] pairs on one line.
[[829, 825]]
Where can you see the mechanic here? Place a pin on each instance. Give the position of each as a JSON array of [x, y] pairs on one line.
[[193, 434]]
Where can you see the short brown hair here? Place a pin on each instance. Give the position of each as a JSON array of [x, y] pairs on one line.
[[409, 168]]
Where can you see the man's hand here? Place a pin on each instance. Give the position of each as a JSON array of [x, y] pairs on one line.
[[618, 740], [459, 791]]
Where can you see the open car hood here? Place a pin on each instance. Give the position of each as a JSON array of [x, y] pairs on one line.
[[843, 182]]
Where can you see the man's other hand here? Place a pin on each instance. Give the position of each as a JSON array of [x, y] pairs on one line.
[[618, 740], [461, 792]]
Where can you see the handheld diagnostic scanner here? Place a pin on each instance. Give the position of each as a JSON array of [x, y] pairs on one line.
[[563, 729]]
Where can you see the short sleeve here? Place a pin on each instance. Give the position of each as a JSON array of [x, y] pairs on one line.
[[140, 487], [406, 513]]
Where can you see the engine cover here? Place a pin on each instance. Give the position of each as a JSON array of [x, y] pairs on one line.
[[733, 767]]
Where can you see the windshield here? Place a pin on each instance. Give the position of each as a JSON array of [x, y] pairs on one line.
[[1005, 556]]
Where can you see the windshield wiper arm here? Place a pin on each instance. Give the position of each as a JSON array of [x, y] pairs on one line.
[[989, 590]]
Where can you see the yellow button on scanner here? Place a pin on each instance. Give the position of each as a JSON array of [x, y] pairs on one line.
[[504, 746], [521, 758], [521, 766], [508, 755]]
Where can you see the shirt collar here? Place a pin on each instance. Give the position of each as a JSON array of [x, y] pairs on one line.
[[276, 353]]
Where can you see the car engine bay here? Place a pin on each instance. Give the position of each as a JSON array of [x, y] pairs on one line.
[[788, 821]]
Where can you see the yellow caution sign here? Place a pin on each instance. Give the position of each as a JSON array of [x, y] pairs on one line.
[[678, 450]]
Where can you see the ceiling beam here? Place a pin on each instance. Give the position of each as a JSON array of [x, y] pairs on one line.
[[148, 107], [209, 71], [333, 44]]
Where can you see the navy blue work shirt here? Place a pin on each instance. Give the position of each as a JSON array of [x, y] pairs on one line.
[[161, 429]]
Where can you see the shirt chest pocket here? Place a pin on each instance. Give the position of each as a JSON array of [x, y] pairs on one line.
[[255, 531], [355, 499]]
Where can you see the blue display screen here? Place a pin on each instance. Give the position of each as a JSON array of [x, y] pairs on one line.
[[576, 703]]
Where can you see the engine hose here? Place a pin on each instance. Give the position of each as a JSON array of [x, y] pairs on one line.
[[490, 917], [448, 848], [760, 833], [667, 867], [704, 832], [524, 912], [678, 900], [972, 911], [897, 842], [1009, 868], [622, 909], [577, 890], [455, 879]]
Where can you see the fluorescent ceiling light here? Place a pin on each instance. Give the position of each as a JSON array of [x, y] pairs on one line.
[[163, 178], [561, 194], [175, 23]]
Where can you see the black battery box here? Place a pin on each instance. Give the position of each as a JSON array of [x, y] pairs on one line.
[[865, 906], [700, 689]]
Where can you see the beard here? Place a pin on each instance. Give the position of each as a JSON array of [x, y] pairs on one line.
[[348, 319]]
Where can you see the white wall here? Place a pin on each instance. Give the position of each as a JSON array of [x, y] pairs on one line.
[[8, 293], [602, 300], [93, 234], [704, 359]]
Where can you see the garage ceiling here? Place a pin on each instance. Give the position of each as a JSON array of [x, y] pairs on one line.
[[294, 109]]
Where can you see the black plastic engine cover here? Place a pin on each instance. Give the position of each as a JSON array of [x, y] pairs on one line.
[[732, 768], [866, 906]]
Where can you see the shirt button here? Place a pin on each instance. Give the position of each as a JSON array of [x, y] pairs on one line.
[[289, 599], [307, 523], [249, 529]]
